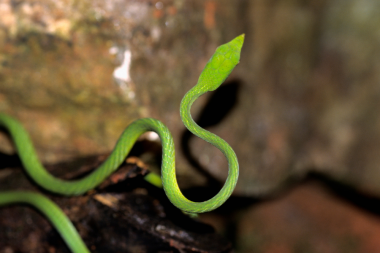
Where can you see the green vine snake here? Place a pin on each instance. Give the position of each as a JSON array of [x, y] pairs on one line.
[[218, 68]]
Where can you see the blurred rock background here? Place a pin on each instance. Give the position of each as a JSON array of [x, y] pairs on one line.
[[305, 99]]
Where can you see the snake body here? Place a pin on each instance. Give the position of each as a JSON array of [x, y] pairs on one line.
[[218, 68]]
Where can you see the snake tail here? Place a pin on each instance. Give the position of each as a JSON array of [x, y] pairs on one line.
[[53, 212]]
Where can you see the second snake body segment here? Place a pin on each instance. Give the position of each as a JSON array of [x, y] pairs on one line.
[[215, 72]]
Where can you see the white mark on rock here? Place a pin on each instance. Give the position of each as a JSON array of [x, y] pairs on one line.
[[122, 72]]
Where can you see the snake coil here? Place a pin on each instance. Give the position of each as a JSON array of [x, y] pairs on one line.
[[218, 68]]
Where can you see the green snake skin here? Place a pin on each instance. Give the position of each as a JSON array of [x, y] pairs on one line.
[[218, 68]]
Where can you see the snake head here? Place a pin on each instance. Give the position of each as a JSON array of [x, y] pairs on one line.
[[220, 65]]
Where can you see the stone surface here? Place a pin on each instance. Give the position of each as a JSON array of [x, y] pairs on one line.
[[309, 218]]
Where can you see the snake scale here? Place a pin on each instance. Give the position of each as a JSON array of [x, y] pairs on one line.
[[217, 69]]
